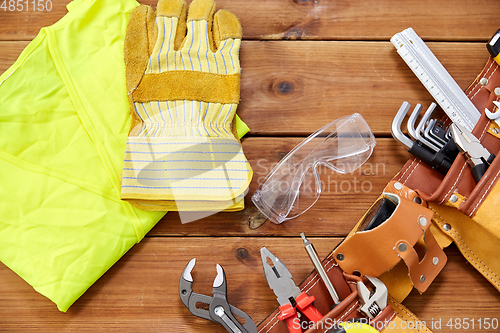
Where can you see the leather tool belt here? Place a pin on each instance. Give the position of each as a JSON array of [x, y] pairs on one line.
[[348, 308], [401, 237], [465, 212]]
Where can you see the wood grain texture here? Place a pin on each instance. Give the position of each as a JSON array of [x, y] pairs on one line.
[[459, 20], [9, 53], [340, 63], [285, 82], [140, 293]]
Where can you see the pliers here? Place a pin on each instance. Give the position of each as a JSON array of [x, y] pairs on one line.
[[478, 157], [219, 311], [290, 297]]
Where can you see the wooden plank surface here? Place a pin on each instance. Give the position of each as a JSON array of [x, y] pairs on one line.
[[284, 82], [140, 293], [341, 63], [459, 20]]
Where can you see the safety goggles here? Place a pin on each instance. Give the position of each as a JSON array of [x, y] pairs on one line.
[[294, 185]]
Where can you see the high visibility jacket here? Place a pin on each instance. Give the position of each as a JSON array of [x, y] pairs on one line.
[[64, 119]]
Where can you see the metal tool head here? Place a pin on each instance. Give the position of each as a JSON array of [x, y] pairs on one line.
[[278, 277], [396, 125], [425, 118], [420, 129], [220, 284], [375, 301], [493, 116], [218, 309], [186, 273], [432, 131], [414, 132], [410, 125], [186, 283], [469, 144], [190, 298]]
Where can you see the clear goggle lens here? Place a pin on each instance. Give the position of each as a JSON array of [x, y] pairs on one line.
[[293, 186]]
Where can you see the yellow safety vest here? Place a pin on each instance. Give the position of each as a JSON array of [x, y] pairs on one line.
[[64, 120]]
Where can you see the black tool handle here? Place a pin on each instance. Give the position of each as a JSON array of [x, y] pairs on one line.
[[422, 152], [479, 170], [444, 158], [440, 161], [450, 150], [493, 45]]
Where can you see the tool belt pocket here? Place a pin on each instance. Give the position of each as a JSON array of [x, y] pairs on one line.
[[348, 309], [459, 189], [395, 229]]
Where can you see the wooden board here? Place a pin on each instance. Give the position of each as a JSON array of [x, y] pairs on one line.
[[458, 20], [140, 293], [304, 64], [283, 83], [286, 82]]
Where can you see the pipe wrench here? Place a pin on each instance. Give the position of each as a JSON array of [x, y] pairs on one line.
[[219, 310]]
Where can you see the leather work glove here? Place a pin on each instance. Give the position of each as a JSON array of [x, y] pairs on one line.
[[183, 151]]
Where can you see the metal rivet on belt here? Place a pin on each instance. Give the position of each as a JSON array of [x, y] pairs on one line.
[[483, 81], [497, 91], [402, 247], [398, 186], [422, 279], [340, 257], [447, 227], [423, 221], [453, 198], [435, 261]]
